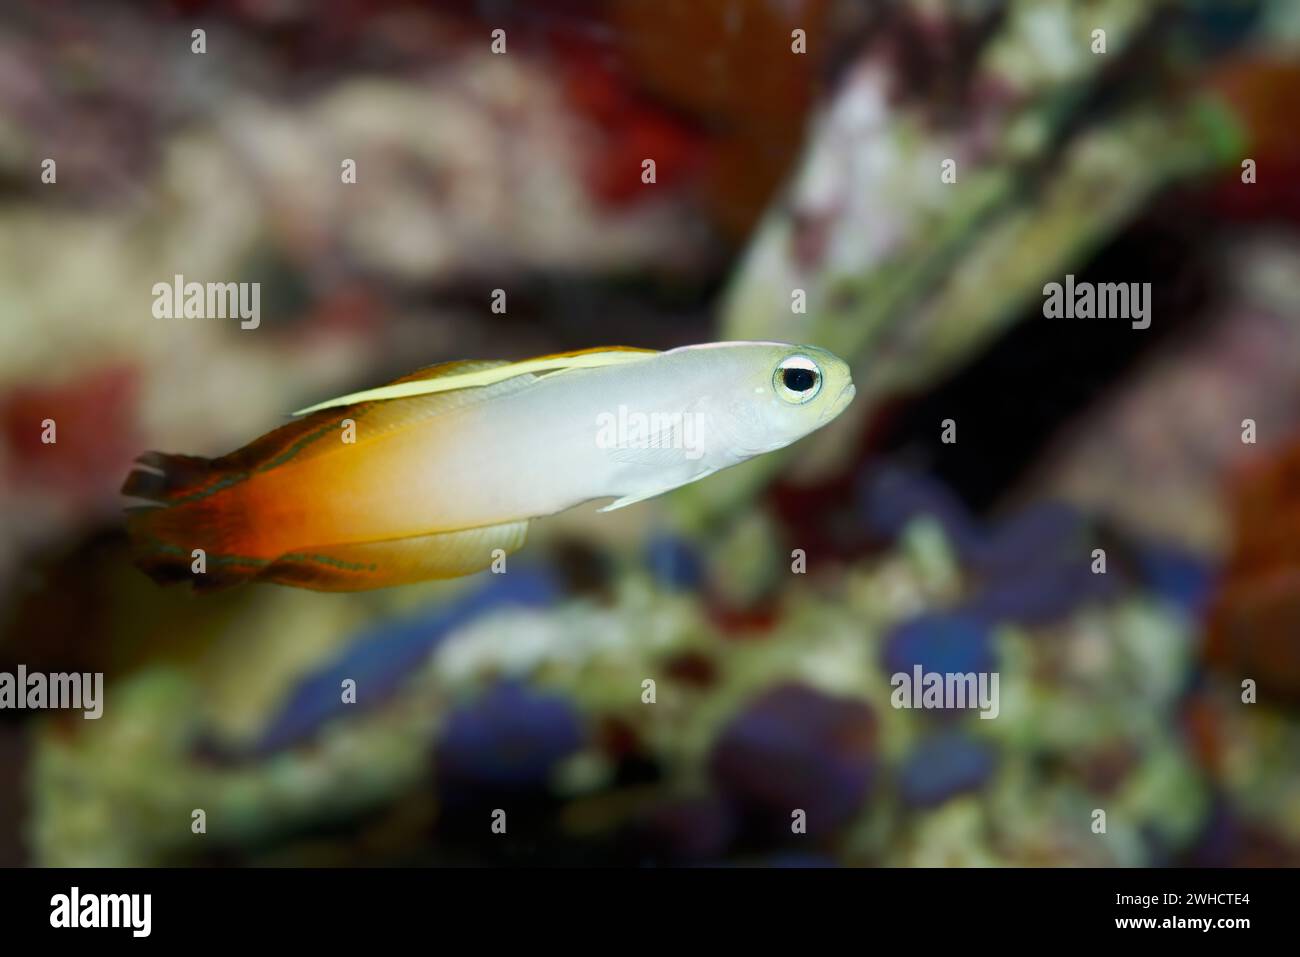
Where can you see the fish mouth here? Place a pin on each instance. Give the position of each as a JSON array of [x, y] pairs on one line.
[[841, 402]]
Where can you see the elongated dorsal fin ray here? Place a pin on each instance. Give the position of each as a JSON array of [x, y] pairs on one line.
[[469, 374]]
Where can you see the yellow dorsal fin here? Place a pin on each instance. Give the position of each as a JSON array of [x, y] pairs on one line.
[[471, 373], [455, 367]]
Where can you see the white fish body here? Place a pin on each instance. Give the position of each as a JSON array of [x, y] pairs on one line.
[[627, 432], [449, 465]]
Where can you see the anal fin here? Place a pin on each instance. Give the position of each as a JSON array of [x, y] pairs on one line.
[[358, 566]]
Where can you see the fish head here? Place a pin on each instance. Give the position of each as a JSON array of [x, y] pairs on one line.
[[782, 392]]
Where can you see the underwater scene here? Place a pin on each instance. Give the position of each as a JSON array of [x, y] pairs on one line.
[[650, 433]]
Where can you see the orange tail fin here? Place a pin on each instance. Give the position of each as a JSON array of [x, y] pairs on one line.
[[205, 536], [204, 527], [195, 533], [200, 504]]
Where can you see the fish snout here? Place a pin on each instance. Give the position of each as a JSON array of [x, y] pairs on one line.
[[840, 403]]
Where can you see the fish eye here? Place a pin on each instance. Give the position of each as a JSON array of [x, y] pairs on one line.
[[797, 379]]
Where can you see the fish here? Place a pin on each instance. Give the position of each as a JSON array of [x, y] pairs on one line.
[[439, 473]]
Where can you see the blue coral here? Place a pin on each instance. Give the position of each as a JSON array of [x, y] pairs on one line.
[[940, 642], [795, 748], [380, 659], [508, 739], [943, 766]]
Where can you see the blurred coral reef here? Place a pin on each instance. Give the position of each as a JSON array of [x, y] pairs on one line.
[[661, 686]]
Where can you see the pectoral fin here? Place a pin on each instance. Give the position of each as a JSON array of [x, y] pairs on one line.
[[627, 500]]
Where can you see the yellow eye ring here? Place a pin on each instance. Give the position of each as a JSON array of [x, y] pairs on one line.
[[797, 380]]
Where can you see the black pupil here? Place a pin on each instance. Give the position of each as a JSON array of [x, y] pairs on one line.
[[799, 380]]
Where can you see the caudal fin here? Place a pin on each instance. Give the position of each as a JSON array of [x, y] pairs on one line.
[[196, 531], [200, 527]]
